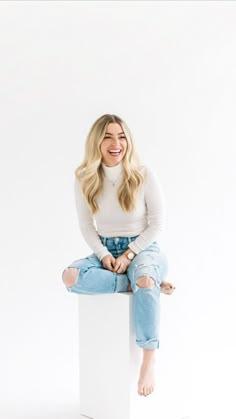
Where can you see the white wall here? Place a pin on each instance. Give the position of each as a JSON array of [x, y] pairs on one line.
[[168, 69]]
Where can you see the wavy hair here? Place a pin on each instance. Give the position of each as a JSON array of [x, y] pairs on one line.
[[90, 173]]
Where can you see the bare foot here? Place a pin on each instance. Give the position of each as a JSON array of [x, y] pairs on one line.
[[146, 382], [166, 287]]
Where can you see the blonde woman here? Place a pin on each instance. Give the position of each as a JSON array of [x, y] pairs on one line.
[[120, 210]]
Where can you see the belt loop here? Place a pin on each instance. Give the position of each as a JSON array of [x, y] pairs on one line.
[[129, 239]]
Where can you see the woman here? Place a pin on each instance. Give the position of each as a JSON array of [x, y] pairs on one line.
[[121, 211]]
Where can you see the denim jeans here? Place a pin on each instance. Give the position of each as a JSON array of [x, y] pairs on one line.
[[94, 279]]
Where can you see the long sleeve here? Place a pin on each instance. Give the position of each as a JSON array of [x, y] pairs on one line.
[[156, 216], [87, 224]]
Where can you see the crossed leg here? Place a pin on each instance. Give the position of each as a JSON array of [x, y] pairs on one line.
[[70, 275]]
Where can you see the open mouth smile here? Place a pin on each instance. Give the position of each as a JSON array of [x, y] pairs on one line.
[[114, 152]]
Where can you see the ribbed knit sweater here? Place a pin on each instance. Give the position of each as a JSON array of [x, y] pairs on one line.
[[146, 220]]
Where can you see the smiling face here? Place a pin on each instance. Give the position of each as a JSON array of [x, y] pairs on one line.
[[113, 145]]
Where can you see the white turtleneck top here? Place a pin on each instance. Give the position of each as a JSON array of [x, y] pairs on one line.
[[146, 221]]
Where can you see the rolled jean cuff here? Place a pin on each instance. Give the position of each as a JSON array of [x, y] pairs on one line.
[[149, 344]]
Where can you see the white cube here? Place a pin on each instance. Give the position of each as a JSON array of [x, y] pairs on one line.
[[109, 358]]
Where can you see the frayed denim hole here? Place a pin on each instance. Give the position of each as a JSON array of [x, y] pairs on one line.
[[77, 277], [147, 288], [63, 273], [136, 285], [155, 283]]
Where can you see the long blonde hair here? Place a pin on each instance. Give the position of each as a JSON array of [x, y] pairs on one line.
[[90, 172]]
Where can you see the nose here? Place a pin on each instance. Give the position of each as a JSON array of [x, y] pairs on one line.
[[116, 141]]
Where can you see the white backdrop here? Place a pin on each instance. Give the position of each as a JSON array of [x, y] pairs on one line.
[[168, 69]]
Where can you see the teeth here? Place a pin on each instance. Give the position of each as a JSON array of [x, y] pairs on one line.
[[114, 151]]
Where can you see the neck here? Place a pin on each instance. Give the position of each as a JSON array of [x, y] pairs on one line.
[[115, 165], [113, 173]]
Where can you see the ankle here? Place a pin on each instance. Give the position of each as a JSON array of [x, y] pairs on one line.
[[149, 356]]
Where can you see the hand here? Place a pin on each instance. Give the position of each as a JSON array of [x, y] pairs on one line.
[[121, 264], [108, 262]]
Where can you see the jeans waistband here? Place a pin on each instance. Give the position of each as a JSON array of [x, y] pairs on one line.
[[116, 240]]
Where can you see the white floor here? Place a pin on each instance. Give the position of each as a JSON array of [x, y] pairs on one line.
[[55, 412], [40, 412], [46, 413]]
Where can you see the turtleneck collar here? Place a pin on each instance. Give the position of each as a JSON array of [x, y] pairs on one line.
[[112, 172]]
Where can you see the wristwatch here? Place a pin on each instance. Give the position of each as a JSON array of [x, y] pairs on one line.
[[130, 255]]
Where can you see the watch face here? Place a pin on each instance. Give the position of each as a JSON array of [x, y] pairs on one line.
[[130, 256]]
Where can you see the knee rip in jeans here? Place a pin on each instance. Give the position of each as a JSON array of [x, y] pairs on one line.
[[69, 276], [145, 282]]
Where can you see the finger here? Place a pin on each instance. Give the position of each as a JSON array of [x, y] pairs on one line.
[[113, 262], [111, 267], [108, 267], [120, 270], [116, 266]]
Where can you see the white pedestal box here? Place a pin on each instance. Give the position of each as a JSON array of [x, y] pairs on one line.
[[109, 358]]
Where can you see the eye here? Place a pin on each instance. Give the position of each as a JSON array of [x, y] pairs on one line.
[[120, 138]]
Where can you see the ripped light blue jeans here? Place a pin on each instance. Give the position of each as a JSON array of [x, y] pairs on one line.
[[93, 278]]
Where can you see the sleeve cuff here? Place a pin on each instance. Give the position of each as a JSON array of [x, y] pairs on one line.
[[103, 253], [134, 247]]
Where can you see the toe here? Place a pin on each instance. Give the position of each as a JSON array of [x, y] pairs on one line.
[[140, 391], [145, 391], [148, 391]]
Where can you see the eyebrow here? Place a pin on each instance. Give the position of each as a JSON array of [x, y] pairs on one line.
[[110, 133]]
